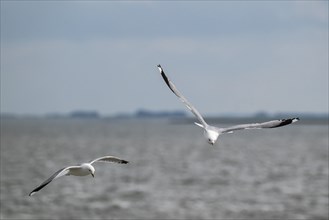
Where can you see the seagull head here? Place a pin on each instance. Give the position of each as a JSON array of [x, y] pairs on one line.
[[211, 136], [212, 142], [90, 169]]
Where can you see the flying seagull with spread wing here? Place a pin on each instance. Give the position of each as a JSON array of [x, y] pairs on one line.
[[78, 170], [211, 132]]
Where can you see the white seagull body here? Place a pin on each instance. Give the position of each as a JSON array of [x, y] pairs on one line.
[[78, 170], [211, 132]]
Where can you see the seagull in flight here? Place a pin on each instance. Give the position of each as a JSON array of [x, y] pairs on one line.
[[212, 133], [83, 169]]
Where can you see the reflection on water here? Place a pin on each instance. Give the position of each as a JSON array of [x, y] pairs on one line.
[[173, 173]]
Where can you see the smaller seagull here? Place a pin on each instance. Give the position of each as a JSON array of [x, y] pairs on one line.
[[78, 170], [211, 132]]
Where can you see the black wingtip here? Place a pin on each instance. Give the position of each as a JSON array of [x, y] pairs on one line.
[[294, 119], [165, 78], [160, 68], [287, 121], [124, 161]]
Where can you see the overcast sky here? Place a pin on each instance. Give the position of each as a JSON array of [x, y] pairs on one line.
[[224, 56]]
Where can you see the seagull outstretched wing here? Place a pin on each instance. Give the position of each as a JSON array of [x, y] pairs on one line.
[[182, 98], [62, 172], [110, 159], [269, 124]]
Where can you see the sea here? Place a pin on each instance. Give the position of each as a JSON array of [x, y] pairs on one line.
[[173, 173]]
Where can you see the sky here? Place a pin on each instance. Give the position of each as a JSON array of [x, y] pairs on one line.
[[226, 57]]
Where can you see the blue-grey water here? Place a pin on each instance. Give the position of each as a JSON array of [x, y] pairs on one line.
[[173, 173]]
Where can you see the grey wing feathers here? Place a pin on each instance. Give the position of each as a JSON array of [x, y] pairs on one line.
[[269, 124], [59, 173], [109, 159], [181, 97]]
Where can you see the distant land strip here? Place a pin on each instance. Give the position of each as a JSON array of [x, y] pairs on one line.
[[178, 116]]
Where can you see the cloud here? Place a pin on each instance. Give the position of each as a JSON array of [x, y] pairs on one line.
[[83, 20], [316, 11], [113, 70], [226, 57]]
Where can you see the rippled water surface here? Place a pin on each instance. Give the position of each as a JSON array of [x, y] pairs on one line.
[[173, 173]]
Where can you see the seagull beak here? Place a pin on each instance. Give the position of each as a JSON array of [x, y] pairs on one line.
[[93, 175]]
